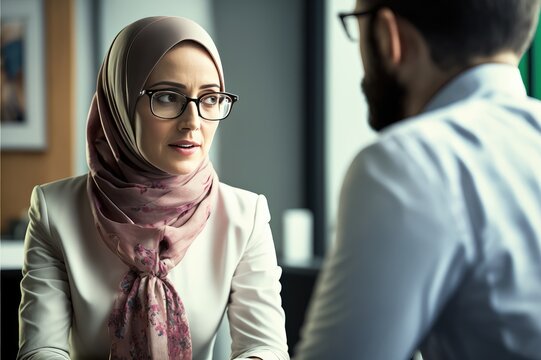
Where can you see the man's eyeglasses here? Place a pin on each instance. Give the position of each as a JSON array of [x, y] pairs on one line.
[[350, 23], [170, 104]]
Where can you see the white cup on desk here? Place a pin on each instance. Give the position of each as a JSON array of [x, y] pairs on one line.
[[298, 236]]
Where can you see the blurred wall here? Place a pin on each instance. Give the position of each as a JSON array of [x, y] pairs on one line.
[[347, 130], [87, 65], [261, 143], [20, 170]]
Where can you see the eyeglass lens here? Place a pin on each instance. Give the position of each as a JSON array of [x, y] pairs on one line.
[[351, 25]]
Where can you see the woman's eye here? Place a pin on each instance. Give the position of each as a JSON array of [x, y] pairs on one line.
[[168, 97], [210, 100]]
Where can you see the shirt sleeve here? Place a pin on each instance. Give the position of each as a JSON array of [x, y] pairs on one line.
[[45, 309], [256, 317], [396, 260]]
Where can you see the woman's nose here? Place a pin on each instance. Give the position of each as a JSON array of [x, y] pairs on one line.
[[189, 119]]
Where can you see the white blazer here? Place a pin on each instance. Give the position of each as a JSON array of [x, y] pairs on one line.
[[70, 278]]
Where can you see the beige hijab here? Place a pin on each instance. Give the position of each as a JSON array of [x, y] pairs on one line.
[[147, 217]]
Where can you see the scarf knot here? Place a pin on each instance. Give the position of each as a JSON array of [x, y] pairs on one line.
[[148, 263]]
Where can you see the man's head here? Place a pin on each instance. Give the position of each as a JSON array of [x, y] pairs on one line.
[[410, 48]]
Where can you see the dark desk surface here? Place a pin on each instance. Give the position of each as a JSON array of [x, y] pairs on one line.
[[11, 262], [10, 297], [298, 280]]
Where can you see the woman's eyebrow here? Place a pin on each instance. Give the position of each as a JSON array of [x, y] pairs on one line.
[[182, 86], [209, 86], [170, 83]]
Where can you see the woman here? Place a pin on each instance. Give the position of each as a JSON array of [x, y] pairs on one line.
[[141, 258]]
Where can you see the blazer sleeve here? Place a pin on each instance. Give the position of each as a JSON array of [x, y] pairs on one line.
[[45, 309], [256, 317]]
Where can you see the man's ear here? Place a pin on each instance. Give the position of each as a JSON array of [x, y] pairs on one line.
[[388, 37]]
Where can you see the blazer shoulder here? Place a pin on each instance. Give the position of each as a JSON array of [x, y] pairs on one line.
[[66, 186], [240, 203], [235, 192], [63, 195]]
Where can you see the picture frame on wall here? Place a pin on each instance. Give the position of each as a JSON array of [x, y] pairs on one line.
[[22, 96]]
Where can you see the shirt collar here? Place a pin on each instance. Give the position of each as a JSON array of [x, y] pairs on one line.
[[478, 80]]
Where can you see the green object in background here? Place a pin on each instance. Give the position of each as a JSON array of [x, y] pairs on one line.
[[535, 58], [530, 66], [524, 67]]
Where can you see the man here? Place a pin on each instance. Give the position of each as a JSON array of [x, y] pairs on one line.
[[438, 245]]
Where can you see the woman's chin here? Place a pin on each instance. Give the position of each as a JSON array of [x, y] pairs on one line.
[[184, 167]]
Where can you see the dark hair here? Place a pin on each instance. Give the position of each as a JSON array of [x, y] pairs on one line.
[[458, 30]]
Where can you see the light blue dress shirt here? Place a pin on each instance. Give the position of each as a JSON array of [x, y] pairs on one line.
[[438, 245]]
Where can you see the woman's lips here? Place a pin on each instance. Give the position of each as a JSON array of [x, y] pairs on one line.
[[185, 147]]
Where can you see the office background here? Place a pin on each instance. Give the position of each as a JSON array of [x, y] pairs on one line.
[[298, 124]]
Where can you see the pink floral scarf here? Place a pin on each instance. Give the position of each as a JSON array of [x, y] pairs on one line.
[[148, 218]]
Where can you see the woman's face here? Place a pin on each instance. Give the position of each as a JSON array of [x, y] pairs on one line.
[[177, 146]]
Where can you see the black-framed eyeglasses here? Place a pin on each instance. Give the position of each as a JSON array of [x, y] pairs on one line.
[[350, 23], [170, 104]]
